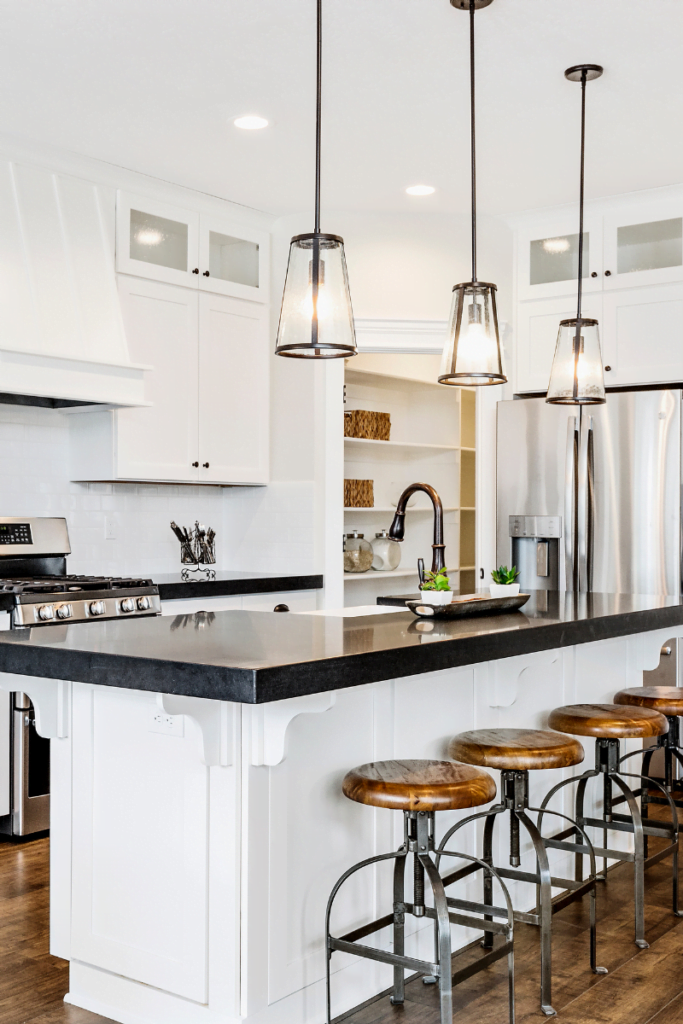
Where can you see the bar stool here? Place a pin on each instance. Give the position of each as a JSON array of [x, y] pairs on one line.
[[609, 724], [516, 752], [420, 789], [668, 700]]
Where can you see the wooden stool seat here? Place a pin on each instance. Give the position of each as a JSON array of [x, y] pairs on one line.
[[419, 785], [668, 700], [608, 721], [516, 749]]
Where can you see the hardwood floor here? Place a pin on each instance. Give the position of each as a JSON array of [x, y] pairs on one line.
[[32, 983], [642, 987]]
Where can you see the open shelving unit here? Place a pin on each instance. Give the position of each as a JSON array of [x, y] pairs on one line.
[[432, 441]]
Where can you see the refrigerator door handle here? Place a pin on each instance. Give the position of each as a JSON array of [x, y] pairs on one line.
[[584, 500], [570, 503]]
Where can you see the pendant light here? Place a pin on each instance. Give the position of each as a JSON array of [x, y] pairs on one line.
[[316, 319], [576, 376], [472, 353]]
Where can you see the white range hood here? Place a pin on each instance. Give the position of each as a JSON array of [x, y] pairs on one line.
[[61, 331]]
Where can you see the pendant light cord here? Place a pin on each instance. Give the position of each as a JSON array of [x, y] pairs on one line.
[[318, 112], [473, 148], [583, 150]]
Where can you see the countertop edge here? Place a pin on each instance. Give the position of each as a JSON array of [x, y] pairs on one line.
[[303, 679], [280, 682]]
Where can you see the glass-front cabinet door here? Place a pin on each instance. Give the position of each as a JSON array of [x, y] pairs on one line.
[[234, 259], [548, 256], [156, 241], [643, 245], [201, 251]]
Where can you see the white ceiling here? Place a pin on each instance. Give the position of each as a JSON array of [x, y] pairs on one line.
[[152, 84]]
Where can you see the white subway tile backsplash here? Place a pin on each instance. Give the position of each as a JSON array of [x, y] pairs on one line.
[[262, 529]]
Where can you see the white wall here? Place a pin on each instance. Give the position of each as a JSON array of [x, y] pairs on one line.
[[34, 481]]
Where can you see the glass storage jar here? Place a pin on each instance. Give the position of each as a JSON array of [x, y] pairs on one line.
[[357, 552], [386, 552]]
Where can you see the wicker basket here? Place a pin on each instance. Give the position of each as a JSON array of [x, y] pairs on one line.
[[375, 426], [358, 494]]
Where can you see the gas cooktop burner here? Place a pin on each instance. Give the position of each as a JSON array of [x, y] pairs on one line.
[[69, 584]]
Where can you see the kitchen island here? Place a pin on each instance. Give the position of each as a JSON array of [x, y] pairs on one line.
[[197, 817]]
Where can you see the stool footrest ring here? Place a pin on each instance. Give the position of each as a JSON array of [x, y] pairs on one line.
[[482, 962], [420, 966]]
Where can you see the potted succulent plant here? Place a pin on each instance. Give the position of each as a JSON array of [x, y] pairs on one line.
[[504, 581], [436, 588]]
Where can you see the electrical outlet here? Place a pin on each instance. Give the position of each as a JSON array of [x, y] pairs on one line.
[[168, 725], [110, 528]]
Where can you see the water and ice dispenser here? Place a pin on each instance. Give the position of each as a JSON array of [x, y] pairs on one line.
[[535, 550]]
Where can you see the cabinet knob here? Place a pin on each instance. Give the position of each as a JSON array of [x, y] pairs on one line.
[[608, 273], [281, 608], [594, 274], [206, 273], [196, 270], [205, 465], [196, 465], [608, 368]]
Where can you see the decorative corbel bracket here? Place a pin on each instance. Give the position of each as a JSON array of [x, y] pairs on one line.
[[215, 721], [649, 646], [269, 724], [504, 676], [50, 698]]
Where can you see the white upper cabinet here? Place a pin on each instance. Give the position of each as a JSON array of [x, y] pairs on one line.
[[161, 441], [643, 245], [208, 421], [202, 251], [633, 285], [548, 255], [643, 335], [233, 261], [234, 357]]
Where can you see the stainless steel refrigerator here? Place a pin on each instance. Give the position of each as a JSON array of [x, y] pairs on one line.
[[589, 498]]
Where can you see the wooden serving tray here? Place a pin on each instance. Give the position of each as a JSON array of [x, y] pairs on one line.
[[468, 604]]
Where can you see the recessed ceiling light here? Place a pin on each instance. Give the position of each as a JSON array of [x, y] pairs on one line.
[[420, 190], [250, 121]]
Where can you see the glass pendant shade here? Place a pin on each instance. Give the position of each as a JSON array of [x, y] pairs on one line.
[[316, 318], [472, 355], [576, 377]]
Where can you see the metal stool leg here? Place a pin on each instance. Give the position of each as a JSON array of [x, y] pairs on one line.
[[638, 863], [398, 995], [546, 911], [442, 917], [540, 811], [487, 941]]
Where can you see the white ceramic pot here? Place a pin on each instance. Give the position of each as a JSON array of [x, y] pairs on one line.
[[436, 596], [504, 589]]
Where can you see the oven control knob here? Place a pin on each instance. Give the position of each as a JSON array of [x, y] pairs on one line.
[[128, 604], [46, 612], [144, 603], [96, 608], [64, 611]]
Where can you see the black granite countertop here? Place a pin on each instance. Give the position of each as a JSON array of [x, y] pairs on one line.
[[172, 587], [254, 657]]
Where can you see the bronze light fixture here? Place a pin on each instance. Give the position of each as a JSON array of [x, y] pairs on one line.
[[576, 377], [316, 318], [472, 354]]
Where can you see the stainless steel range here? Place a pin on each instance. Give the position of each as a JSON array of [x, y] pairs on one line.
[[37, 592]]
